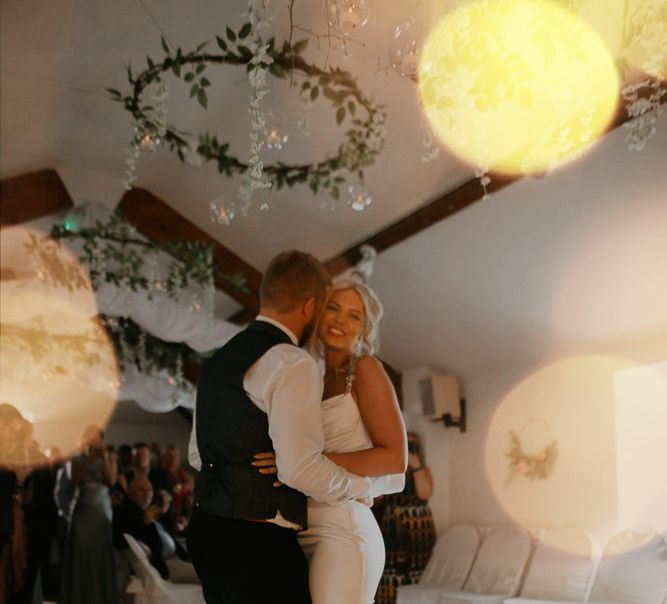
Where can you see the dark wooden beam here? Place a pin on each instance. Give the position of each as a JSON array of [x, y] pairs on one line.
[[448, 204], [32, 195], [444, 206], [159, 222]]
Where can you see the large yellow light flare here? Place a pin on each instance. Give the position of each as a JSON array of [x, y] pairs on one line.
[[58, 373], [517, 86], [635, 31], [601, 421]]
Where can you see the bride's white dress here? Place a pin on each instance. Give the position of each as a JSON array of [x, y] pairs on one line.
[[343, 543]]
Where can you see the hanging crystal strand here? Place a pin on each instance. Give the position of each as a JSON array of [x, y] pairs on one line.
[[257, 77], [160, 96], [209, 289], [643, 112], [305, 105], [482, 172], [131, 159], [431, 147], [150, 272]]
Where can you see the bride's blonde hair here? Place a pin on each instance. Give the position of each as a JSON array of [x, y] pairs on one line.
[[369, 339]]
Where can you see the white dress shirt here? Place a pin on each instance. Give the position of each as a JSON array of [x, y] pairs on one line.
[[286, 384]]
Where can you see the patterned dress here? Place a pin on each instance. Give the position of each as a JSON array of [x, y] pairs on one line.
[[409, 535]]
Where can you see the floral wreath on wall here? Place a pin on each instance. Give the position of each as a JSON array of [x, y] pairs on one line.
[[537, 466]]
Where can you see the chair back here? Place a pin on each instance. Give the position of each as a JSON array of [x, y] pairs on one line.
[[452, 557], [561, 567], [500, 563], [633, 569], [150, 578]]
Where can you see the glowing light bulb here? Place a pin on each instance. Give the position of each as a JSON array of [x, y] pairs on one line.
[[222, 211], [347, 17], [405, 48], [358, 198], [519, 86], [149, 142]]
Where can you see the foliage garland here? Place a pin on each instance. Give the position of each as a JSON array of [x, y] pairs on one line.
[[113, 253], [363, 140], [149, 354], [535, 467]]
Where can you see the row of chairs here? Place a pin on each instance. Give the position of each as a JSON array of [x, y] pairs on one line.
[[148, 587], [561, 566]]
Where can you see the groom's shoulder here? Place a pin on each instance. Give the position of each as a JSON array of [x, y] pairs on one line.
[[287, 355], [289, 351]]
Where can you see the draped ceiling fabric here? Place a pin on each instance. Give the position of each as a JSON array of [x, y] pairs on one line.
[[168, 318]]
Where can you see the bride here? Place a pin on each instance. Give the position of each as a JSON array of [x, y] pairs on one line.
[[365, 434]]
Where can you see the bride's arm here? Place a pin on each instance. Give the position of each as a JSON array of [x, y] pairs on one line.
[[382, 418]]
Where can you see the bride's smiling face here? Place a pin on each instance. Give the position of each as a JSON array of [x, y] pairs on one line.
[[342, 320]]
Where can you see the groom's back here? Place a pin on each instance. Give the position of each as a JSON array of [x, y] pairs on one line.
[[231, 429]]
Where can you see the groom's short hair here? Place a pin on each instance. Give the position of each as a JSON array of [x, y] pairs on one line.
[[291, 279]]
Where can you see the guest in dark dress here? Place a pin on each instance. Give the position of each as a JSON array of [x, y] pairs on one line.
[[407, 526], [89, 575]]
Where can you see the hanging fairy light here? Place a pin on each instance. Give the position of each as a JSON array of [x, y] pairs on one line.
[[405, 48], [275, 132], [222, 211], [347, 17], [358, 198], [149, 142]]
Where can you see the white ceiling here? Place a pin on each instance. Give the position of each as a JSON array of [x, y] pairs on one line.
[[570, 262]]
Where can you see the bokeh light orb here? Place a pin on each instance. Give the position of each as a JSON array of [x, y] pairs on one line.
[[580, 443], [59, 373], [635, 31], [517, 86]]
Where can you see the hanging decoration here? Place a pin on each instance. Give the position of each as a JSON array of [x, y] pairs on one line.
[[405, 48], [538, 466], [113, 252], [347, 17], [246, 47], [117, 264]]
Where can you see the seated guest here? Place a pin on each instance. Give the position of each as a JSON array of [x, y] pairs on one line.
[[142, 467], [136, 516]]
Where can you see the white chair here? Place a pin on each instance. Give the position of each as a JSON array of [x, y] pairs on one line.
[[447, 569], [633, 570], [149, 587], [497, 570], [561, 568]]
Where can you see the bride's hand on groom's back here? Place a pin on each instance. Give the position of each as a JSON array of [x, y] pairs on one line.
[[266, 463]]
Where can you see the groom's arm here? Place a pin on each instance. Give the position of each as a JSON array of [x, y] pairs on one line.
[[292, 400]]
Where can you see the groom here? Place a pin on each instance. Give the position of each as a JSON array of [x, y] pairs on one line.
[[262, 392]]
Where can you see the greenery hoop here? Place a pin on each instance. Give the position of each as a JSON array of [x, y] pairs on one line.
[[362, 143]]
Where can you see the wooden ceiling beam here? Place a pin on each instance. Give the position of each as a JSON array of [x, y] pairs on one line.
[[160, 223], [30, 196], [444, 206], [448, 204]]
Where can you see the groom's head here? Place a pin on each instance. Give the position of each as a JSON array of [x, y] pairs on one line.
[[294, 287]]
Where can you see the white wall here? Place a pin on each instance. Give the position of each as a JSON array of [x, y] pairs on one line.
[[130, 424], [570, 401]]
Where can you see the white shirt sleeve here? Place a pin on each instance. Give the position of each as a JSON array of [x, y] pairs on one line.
[[193, 452], [385, 485], [287, 385]]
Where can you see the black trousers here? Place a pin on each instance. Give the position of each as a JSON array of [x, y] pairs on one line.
[[243, 562]]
